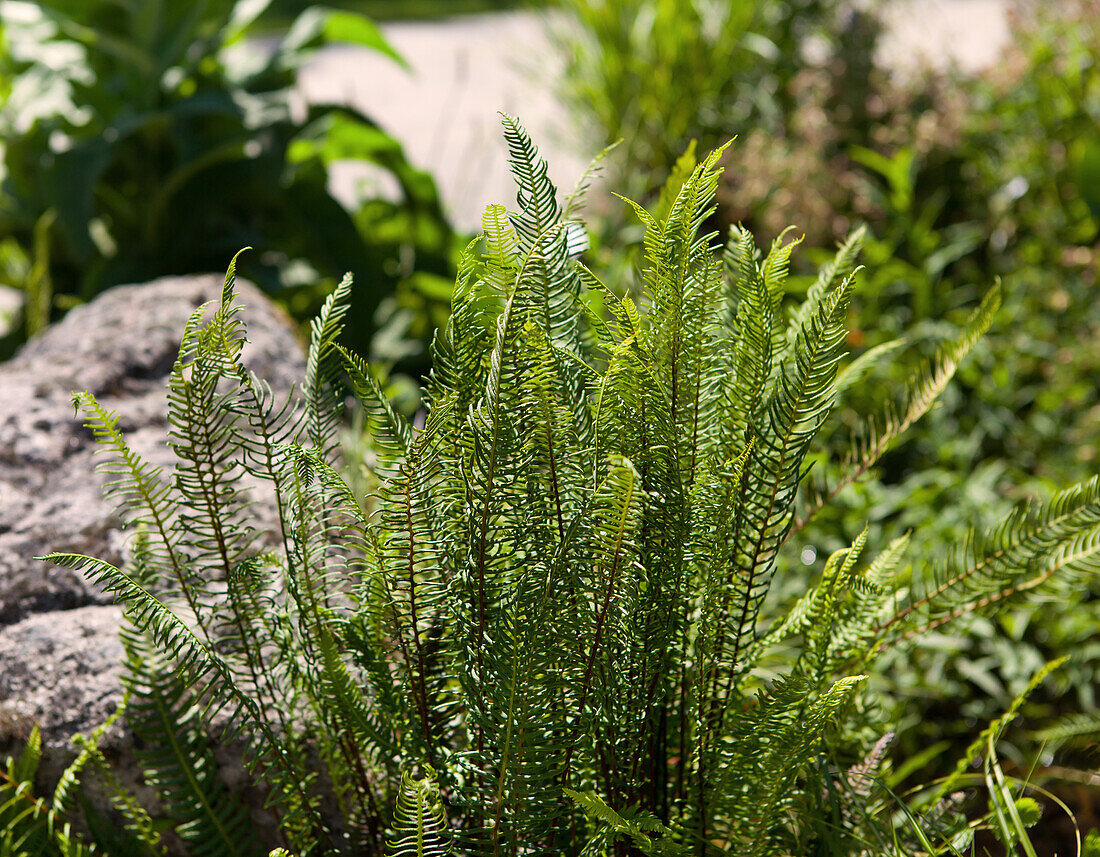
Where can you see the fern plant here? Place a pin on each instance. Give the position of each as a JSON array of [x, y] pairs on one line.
[[548, 630]]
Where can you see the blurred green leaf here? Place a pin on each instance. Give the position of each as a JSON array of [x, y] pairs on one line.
[[1086, 164], [317, 26]]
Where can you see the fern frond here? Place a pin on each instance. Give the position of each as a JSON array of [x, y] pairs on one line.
[[683, 286], [878, 434], [29, 825], [782, 436], [391, 432], [542, 237], [547, 244], [1021, 554], [992, 732], [215, 531], [835, 271], [1072, 729], [752, 361], [324, 394], [145, 499], [638, 827], [750, 789], [176, 759], [459, 347], [420, 822], [206, 671], [574, 203]]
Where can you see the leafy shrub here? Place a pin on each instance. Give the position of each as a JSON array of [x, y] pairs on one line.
[[159, 137], [660, 73], [959, 178], [552, 631]]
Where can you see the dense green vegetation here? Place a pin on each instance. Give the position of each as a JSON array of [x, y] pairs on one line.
[[657, 74], [403, 10], [948, 183], [959, 180], [553, 627]]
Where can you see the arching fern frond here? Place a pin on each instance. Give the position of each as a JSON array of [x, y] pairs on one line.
[[1020, 555], [206, 671], [877, 435]]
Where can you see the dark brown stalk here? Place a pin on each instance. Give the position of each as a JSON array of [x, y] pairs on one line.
[[422, 695]]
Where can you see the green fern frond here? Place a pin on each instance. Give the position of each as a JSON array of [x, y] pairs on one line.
[[215, 530], [420, 822], [992, 732], [1020, 555], [575, 201], [204, 669], [29, 825], [389, 429], [878, 434], [751, 787], [752, 363], [323, 392], [542, 238], [782, 435], [1074, 729], [145, 499], [176, 758], [638, 827], [832, 273], [459, 347]]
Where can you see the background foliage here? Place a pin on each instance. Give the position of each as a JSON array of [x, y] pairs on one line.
[[657, 74], [155, 138], [959, 179]]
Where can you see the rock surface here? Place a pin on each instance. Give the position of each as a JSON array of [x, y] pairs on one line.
[[59, 649]]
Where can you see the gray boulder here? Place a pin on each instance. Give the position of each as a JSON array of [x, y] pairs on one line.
[[59, 649], [58, 669], [120, 347]]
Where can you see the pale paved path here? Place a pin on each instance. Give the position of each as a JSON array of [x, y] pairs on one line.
[[445, 111], [467, 69], [967, 33]]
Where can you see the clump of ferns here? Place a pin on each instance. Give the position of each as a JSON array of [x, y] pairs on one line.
[[551, 634]]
